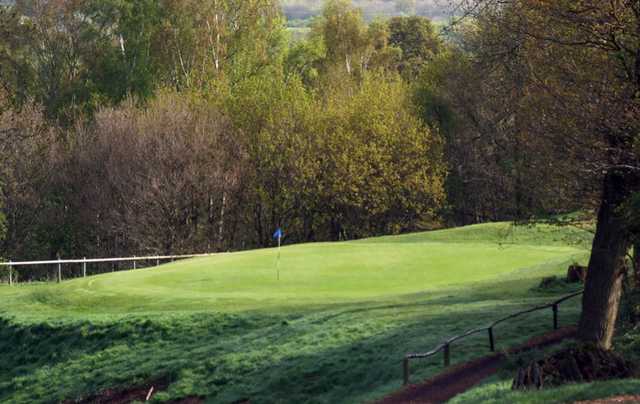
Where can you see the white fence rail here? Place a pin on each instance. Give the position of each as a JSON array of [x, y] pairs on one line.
[[84, 261]]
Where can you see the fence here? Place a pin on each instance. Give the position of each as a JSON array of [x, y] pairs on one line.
[[84, 261], [445, 347]]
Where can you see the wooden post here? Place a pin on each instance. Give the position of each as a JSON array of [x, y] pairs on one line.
[[84, 267], [134, 262], [10, 274], [59, 271], [405, 367], [555, 316], [157, 262], [492, 344], [447, 355]]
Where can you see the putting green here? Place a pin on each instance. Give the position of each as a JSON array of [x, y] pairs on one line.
[[309, 275]]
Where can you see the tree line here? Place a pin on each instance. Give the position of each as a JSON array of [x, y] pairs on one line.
[[560, 81], [133, 127]]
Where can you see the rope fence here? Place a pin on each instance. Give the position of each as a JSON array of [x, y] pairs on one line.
[[445, 347]]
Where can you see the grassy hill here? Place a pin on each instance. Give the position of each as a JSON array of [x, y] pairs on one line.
[[333, 328]]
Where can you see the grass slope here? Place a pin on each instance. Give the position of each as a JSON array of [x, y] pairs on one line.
[[497, 389], [333, 329], [500, 392]]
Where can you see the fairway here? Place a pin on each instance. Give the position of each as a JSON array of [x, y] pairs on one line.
[[333, 328]]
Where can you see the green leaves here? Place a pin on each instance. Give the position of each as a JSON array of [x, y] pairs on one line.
[[387, 167], [417, 38], [74, 57], [202, 119], [356, 156]]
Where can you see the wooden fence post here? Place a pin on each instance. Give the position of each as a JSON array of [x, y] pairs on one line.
[[492, 345], [555, 316], [134, 262], [447, 355], [157, 262], [59, 270], [405, 367], [10, 274], [84, 267]]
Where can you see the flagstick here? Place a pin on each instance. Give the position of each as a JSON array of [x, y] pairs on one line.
[[278, 261]]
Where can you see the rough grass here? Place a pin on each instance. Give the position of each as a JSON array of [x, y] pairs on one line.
[[333, 329], [497, 389], [500, 392]]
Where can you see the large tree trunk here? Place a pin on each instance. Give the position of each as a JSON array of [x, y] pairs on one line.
[[603, 287]]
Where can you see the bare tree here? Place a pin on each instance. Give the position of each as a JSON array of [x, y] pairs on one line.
[[159, 179]]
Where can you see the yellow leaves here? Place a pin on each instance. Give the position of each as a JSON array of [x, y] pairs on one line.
[[383, 155], [356, 151]]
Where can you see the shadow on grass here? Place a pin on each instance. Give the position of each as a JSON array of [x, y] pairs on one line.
[[368, 368], [337, 353], [340, 352], [488, 291]]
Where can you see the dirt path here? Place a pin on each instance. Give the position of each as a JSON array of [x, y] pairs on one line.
[[462, 377]]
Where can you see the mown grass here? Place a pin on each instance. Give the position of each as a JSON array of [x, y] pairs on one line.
[[333, 329]]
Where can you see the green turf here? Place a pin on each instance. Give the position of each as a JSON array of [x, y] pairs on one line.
[[333, 328], [497, 388], [500, 392]]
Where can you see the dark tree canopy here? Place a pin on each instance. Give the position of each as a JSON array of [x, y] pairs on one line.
[[575, 66]]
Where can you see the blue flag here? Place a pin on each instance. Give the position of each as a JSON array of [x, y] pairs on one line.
[[278, 234]]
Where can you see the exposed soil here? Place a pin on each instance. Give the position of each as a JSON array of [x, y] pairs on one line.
[[131, 394], [462, 377], [124, 396]]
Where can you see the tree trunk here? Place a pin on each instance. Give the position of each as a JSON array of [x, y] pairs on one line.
[[336, 229], [636, 263], [223, 205], [603, 287]]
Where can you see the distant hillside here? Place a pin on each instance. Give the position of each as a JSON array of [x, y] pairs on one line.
[[436, 9], [306, 9]]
